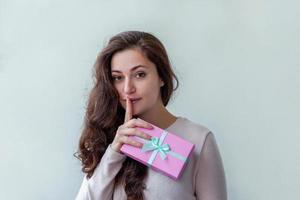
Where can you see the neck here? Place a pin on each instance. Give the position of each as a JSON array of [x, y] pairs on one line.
[[159, 116]]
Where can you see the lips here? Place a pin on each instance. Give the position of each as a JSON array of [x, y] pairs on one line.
[[133, 99]]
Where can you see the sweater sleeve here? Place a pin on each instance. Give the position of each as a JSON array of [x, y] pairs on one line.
[[101, 184], [210, 175]]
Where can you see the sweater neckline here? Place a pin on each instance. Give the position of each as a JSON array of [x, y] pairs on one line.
[[174, 123]]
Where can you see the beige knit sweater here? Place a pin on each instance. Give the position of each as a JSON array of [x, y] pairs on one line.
[[203, 177]]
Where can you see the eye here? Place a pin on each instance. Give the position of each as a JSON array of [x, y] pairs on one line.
[[116, 78], [141, 74]]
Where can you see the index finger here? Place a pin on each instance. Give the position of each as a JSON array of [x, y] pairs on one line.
[[128, 113]]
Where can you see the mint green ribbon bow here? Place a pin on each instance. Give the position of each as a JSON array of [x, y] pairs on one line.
[[154, 144]]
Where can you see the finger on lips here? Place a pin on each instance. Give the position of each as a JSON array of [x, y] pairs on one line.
[[132, 123], [128, 113]]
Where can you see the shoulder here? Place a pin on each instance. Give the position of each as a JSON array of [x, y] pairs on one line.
[[193, 126], [188, 127], [192, 131]]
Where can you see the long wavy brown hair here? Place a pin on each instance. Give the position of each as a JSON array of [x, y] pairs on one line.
[[104, 114]]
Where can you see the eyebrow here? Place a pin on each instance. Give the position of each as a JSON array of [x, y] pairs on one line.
[[134, 68]]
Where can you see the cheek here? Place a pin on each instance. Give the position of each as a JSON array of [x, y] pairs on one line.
[[118, 88], [150, 92], [119, 93]]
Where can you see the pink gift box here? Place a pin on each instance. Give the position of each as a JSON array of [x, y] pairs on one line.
[[165, 152]]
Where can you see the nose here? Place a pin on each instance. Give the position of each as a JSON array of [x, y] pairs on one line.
[[129, 86]]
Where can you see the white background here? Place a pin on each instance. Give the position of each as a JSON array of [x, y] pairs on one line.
[[237, 63]]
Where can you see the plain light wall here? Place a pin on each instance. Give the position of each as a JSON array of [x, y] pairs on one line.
[[238, 68]]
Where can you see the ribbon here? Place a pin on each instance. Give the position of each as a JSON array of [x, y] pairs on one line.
[[155, 145]]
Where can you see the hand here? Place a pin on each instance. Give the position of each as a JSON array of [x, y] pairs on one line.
[[128, 128]]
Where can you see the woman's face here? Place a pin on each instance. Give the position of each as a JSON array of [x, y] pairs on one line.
[[136, 77]]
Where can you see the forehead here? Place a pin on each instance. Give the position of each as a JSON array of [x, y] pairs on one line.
[[129, 60]]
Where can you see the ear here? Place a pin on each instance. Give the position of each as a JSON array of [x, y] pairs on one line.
[[161, 83]]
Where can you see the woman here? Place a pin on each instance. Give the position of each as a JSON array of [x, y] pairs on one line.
[[134, 79]]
